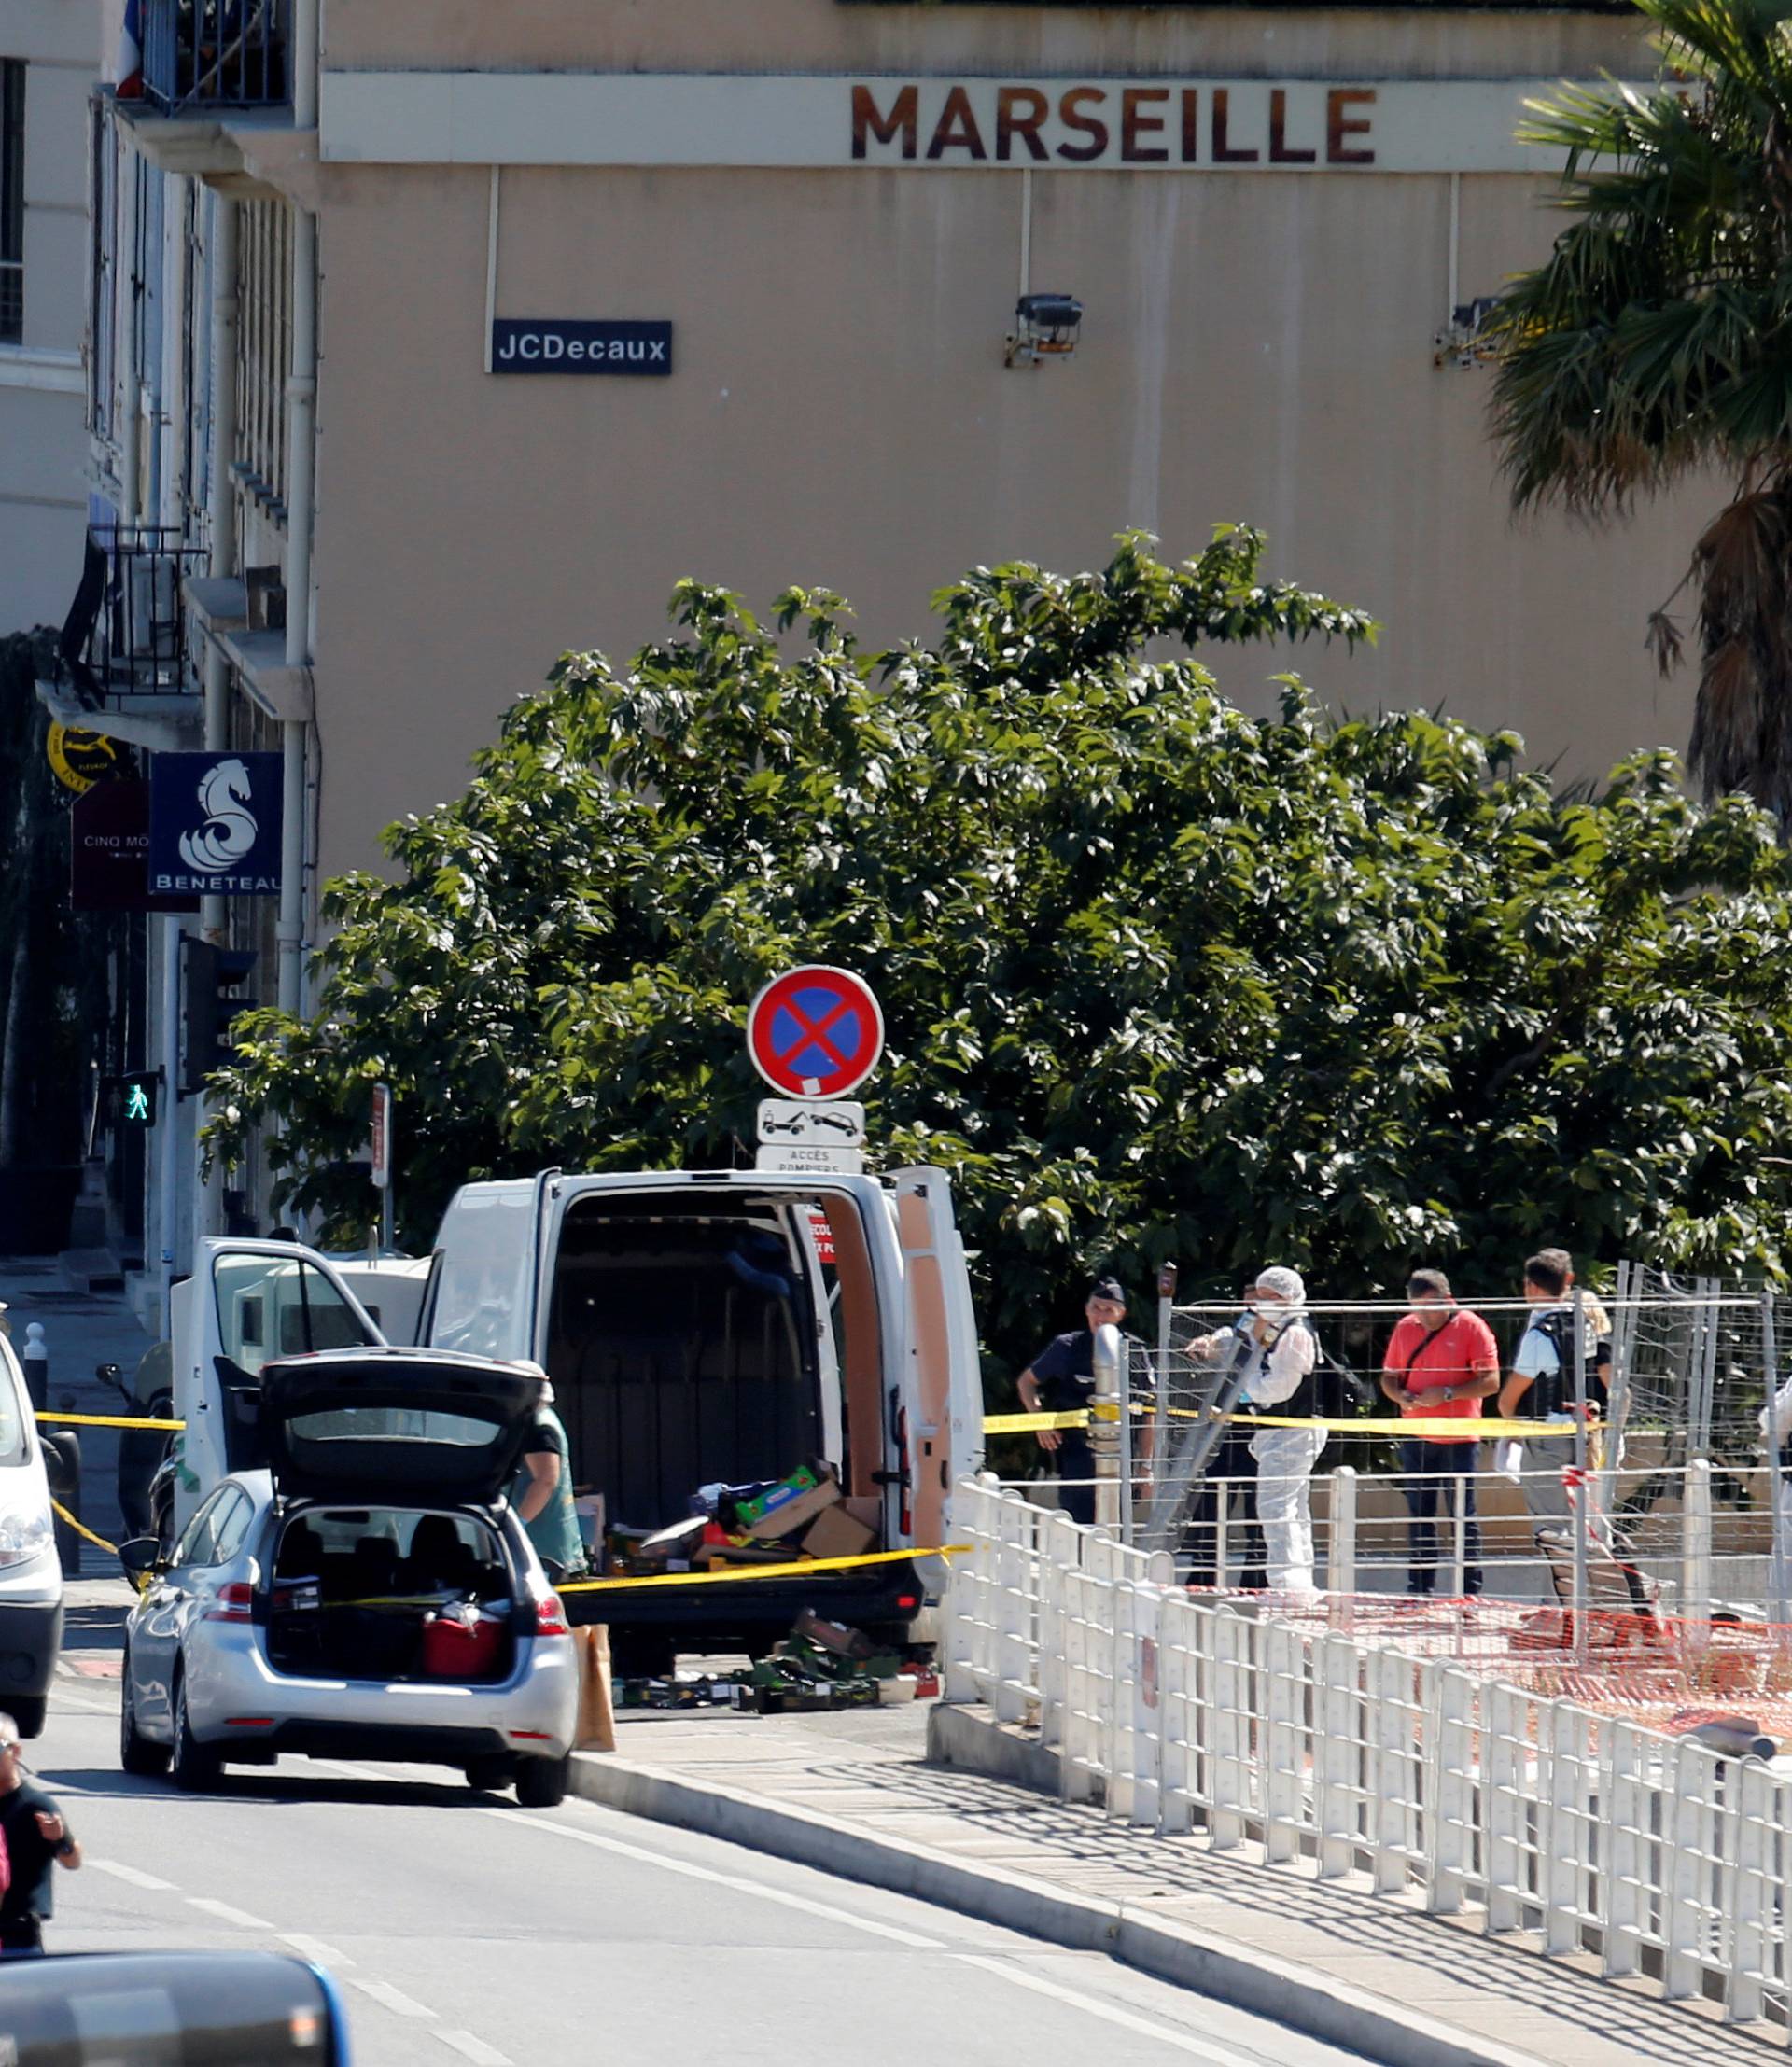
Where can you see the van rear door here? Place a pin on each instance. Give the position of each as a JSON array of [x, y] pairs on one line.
[[245, 1304], [942, 1384]]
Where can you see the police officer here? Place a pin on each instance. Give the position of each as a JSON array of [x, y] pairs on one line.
[[1061, 1380]]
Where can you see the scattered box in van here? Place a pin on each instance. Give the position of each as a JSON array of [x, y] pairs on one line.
[[782, 1509], [835, 1533]]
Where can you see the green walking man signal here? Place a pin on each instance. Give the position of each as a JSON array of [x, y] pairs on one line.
[[130, 1099]]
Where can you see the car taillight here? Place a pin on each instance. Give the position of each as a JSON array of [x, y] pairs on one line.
[[233, 1603], [550, 1617]]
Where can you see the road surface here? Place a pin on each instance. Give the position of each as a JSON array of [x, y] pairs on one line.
[[458, 1923]]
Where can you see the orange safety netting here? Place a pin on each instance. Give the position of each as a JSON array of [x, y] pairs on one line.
[[1633, 1663]]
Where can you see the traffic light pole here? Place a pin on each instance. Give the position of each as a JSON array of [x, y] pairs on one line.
[[168, 1148]]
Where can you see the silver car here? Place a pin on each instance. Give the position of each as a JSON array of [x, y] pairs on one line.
[[370, 1594]]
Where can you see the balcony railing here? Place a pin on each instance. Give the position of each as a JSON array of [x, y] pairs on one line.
[[126, 635], [216, 54]]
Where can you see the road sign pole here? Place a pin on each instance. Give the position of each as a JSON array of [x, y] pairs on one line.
[[381, 1136]]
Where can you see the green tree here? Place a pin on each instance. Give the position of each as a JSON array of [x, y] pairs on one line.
[[1655, 345], [54, 968], [1161, 979]]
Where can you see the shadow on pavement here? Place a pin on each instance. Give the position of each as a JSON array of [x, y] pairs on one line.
[[94, 1626], [99, 1782]]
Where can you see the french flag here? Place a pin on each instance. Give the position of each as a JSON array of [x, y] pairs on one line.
[[131, 53]]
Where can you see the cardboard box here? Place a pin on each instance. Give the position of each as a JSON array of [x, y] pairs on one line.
[[835, 1533], [773, 1501], [792, 1504]]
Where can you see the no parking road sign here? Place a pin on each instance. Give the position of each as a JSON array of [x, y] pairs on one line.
[[815, 1032]]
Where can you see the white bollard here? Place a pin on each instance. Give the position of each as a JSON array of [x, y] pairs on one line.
[[35, 1358]]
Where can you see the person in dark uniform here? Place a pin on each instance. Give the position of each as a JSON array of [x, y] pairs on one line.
[[1060, 1379]]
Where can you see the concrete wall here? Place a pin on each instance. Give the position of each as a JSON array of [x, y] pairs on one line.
[[1256, 346], [43, 502]]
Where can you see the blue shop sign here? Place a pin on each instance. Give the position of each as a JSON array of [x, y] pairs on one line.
[[214, 823]]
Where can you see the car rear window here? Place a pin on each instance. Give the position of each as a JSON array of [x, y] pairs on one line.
[[386, 1424]]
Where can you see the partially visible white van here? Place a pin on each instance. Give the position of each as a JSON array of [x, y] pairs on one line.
[[31, 1572]]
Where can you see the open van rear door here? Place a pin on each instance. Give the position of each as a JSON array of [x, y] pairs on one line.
[[246, 1304], [942, 1385]]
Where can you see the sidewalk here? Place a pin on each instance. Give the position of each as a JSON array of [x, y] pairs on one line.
[[853, 1793], [80, 1330]]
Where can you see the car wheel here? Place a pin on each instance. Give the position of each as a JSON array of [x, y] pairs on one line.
[[137, 1753], [488, 1774], [192, 1765], [541, 1783], [27, 1711]]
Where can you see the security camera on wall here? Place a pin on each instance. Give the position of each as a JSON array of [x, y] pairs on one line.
[[1464, 340], [1046, 327]]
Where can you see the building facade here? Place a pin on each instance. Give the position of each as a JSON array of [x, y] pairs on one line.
[[46, 72], [430, 339]]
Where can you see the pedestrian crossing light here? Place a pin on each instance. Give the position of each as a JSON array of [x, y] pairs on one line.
[[131, 1098]]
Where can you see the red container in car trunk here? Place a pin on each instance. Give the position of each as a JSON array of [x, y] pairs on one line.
[[454, 1650]]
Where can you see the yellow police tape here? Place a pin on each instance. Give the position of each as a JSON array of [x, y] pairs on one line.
[[106, 1421], [80, 1530], [798, 1568], [1411, 1424]]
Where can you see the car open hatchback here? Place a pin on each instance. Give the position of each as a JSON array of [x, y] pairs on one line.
[[369, 1594]]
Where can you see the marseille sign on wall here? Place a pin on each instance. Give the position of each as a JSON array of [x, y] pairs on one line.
[[1169, 124], [215, 822], [558, 345]]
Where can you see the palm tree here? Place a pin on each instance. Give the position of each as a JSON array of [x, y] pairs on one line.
[[1655, 342]]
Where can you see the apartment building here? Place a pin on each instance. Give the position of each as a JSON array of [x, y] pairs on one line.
[[429, 339], [46, 72]]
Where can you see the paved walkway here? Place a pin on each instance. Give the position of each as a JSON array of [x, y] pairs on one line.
[[867, 1770], [80, 1330]]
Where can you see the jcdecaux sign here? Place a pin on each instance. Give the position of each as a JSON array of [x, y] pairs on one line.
[[556, 345]]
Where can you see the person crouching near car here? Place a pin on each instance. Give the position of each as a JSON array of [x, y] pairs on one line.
[[1282, 1383], [37, 1841]]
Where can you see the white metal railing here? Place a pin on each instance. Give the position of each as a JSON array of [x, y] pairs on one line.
[[1358, 1759]]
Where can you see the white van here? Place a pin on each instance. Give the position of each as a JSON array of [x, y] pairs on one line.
[[31, 1572], [724, 1326], [700, 1327]]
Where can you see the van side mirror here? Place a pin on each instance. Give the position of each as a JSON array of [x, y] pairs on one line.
[[142, 1559]]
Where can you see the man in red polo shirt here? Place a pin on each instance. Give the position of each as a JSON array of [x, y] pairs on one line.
[[1442, 1363]]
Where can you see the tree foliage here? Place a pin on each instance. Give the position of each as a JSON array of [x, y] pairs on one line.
[[1656, 344], [54, 1007], [1161, 979]]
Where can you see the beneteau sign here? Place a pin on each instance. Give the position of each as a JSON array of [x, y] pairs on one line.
[[941, 124]]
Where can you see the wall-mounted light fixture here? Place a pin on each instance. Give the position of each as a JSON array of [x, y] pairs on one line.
[[1046, 327], [1464, 340]]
